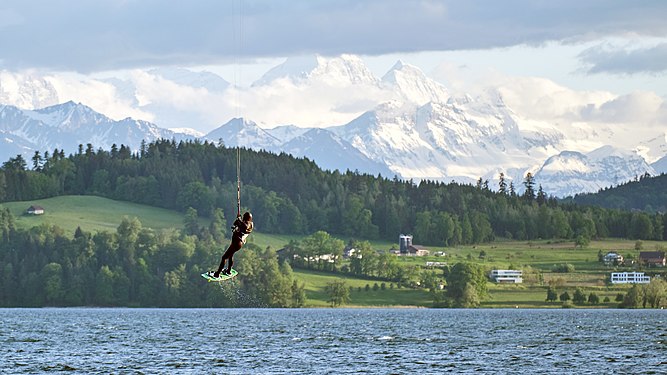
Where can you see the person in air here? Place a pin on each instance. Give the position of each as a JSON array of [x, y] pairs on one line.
[[240, 230]]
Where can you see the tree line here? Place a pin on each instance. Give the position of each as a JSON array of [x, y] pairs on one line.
[[134, 266], [644, 193], [289, 195]]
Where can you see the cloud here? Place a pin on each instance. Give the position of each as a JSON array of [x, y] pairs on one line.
[[100, 96], [88, 36], [604, 59], [589, 117], [9, 17]]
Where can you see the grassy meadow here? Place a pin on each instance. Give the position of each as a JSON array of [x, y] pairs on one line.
[[91, 213], [536, 258]]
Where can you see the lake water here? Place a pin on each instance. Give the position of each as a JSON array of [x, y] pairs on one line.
[[332, 341]]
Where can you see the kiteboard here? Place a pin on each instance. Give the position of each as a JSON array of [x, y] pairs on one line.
[[222, 277]]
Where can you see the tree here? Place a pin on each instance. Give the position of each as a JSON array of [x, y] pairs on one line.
[[656, 293], [37, 161], [541, 196], [338, 293], [633, 298], [104, 287], [462, 280], [191, 221], [582, 241], [52, 274], [641, 226], [593, 299], [502, 184], [321, 243], [565, 296], [298, 294], [551, 295], [529, 184], [365, 260], [579, 297]]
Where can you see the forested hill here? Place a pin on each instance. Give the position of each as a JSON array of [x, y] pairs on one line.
[[645, 193], [293, 196]]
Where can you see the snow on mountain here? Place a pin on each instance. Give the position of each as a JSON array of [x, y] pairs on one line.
[[660, 166], [12, 145], [461, 139], [331, 152], [67, 125], [569, 173], [654, 148], [338, 71], [210, 81], [244, 133], [407, 125], [413, 85], [188, 132], [26, 91], [286, 133]]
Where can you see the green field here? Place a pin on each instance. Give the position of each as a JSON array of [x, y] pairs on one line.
[[91, 213], [536, 258]]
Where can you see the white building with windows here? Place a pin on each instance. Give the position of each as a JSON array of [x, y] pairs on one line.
[[629, 278], [507, 276]]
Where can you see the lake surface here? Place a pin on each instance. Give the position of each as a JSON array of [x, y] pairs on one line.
[[332, 341]]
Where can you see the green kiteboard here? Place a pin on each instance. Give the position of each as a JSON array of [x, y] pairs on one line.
[[222, 277]]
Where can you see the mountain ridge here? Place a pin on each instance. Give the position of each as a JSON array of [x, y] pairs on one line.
[[420, 131]]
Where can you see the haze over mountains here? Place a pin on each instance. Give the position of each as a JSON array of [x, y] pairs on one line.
[[408, 125]]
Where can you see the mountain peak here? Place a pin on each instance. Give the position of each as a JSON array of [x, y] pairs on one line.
[[336, 71], [413, 85], [204, 79], [398, 66]]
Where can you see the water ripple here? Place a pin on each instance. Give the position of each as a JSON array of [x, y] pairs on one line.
[[331, 341]]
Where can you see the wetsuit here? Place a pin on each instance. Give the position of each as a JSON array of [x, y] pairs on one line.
[[241, 230]]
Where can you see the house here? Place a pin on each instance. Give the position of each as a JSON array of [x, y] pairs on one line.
[[612, 259], [629, 278], [350, 251], [652, 258], [405, 247], [506, 276], [419, 251], [35, 210]]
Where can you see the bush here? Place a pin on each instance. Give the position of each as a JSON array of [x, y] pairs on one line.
[[563, 268], [593, 299], [565, 296]]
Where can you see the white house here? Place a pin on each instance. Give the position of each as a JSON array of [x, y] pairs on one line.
[[629, 278], [507, 276], [35, 210], [612, 258]]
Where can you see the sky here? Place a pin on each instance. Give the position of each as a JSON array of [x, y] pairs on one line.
[[594, 52]]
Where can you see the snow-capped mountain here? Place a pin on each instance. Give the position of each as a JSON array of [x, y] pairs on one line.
[[573, 172], [26, 91], [405, 124], [331, 152], [461, 139], [346, 69], [240, 132], [327, 149], [413, 86], [660, 166], [67, 125], [207, 80]]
